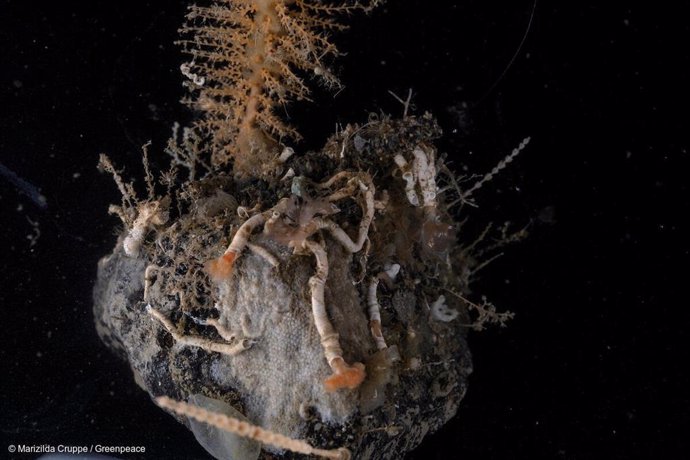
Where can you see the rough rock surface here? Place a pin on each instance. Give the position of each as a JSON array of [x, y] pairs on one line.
[[412, 388]]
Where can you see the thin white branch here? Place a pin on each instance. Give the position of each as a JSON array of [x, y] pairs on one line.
[[263, 253], [340, 235], [150, 213], [221, 268], [196, 341], [286, 154], [344, 375], [374, 310], [239, 241], [501, 165], [329, 338]]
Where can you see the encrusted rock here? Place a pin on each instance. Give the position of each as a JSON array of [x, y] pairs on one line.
[[275, 376]]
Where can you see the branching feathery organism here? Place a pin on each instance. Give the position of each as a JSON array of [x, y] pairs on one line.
[[294, 299]]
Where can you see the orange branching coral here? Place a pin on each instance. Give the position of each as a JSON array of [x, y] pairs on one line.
[[246, 56]]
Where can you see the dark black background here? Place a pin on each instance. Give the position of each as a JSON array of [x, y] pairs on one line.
[[594, 364]]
